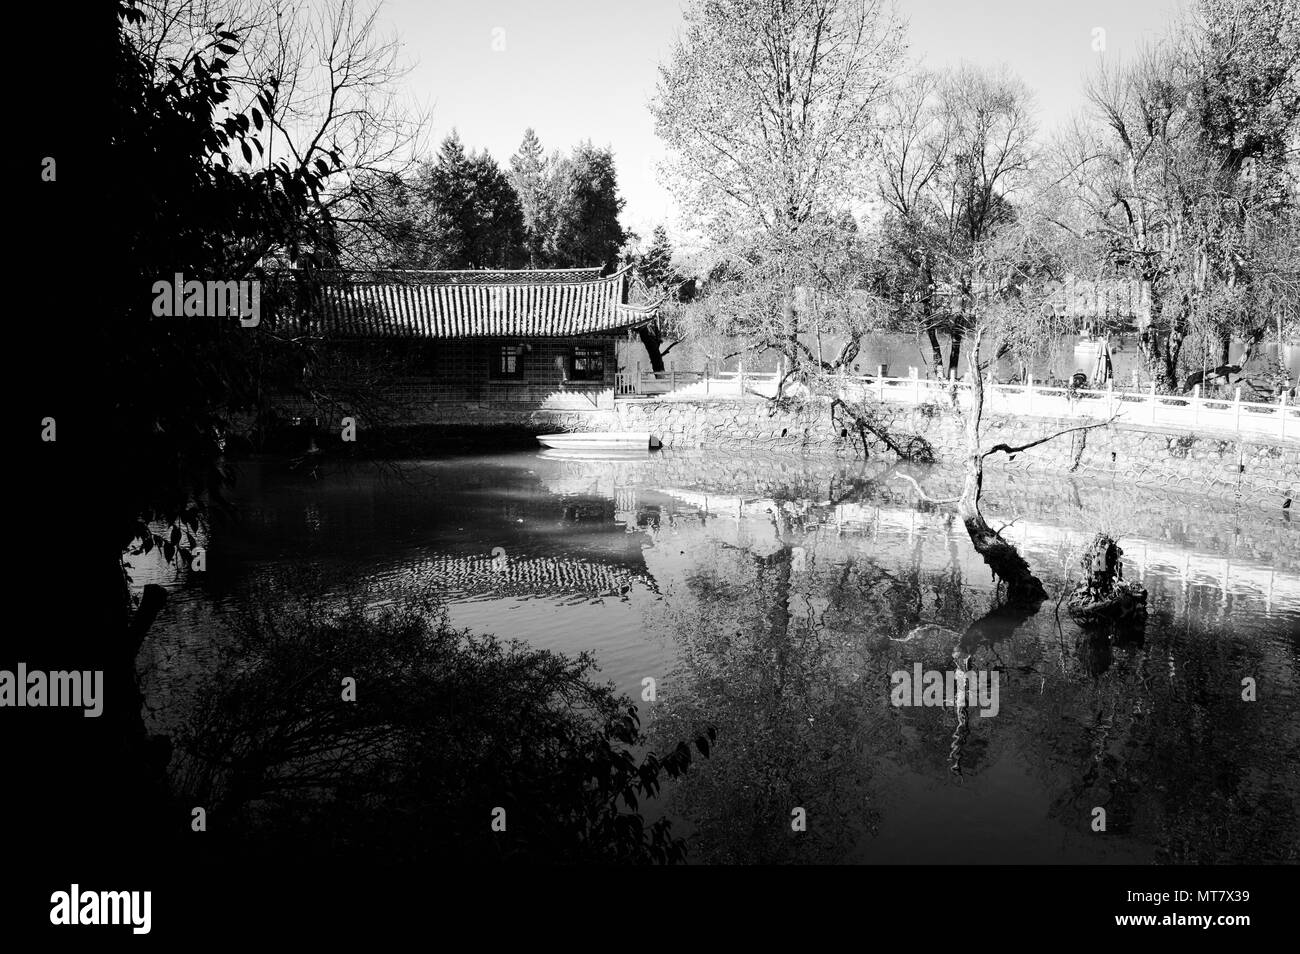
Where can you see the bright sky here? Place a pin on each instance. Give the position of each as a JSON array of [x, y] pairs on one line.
[[586, 69]]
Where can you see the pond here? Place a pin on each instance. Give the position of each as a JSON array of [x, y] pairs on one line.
[[776, 598]]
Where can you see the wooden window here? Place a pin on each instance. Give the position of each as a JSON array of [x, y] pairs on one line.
[[507, 362], [588, 364]]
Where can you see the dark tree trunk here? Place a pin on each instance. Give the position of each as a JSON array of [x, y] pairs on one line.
[[937, 352], [1156, 355], [954, 353], [652, 343], [1003, 559]]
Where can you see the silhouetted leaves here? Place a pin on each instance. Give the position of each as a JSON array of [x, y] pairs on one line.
[[462, 722]]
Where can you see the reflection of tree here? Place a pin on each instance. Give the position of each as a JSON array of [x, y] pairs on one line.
[[789, 713], [777, 656], [1163, 741], [792, 665]]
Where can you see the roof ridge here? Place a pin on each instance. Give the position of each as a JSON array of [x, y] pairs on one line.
[[465, 277]]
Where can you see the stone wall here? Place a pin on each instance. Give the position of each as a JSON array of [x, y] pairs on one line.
[[1268, 471], [1262, 471], [1218, 525]]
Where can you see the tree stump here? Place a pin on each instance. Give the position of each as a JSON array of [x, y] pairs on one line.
[[1104, 597]]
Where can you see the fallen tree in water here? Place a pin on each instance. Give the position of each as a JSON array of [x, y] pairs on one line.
[[1001, 556], [875, 427]]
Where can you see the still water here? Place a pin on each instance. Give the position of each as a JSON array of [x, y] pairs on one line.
[[775, 597]]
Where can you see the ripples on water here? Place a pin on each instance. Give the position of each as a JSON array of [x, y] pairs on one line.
[[771, 597]]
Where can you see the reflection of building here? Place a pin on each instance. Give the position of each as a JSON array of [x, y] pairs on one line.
[[504, 575]]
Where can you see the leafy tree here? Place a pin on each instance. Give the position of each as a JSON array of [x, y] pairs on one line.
[[530, 175], [655, 266], [654, 269], [471, 217], [334, 72], [182, 203], [586, 230], [498, 238], [767, 110], [1244, 82], [957, 148], [1186, 180], [188, 186]]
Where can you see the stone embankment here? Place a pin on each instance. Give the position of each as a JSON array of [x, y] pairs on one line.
[[1265, 471]]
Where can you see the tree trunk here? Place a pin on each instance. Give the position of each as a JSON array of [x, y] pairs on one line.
[[652, 344], [1003, 559], [954, 353], [1161, 360], [937, 352]]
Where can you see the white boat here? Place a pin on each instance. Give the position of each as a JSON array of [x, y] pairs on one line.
[[600, 440]]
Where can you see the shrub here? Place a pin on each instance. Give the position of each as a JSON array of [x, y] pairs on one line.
[[446, 726]]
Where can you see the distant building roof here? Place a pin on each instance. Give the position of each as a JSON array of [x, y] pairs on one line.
[[470, 304]]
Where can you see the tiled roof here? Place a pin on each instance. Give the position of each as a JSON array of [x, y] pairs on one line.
[[471, 304]]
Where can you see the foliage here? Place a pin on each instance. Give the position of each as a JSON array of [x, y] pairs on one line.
[[1104, 596], [466, 213], [462, 211], [530, 175], [767, 111], [446, 726], [1184, 179], [335, 75], [586, 230], [183, 202], [956, 243], [660, 281]]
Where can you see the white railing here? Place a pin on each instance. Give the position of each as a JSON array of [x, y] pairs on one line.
[[1132, 406], [1188, 411], [691, 385]]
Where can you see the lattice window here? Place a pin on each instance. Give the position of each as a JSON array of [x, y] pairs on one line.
[[507, 362], [588, 364]]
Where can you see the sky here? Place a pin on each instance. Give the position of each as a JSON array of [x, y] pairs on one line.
[[586, 69]]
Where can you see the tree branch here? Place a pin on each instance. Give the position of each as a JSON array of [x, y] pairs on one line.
[[1010, 451]]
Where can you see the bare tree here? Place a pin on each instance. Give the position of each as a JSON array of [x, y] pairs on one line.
[[325, 82], [1183, 177], [954, 160]]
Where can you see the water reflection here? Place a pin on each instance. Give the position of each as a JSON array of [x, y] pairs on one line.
[[774, 598]]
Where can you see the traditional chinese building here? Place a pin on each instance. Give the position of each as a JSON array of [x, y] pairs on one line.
[[539, 339]]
